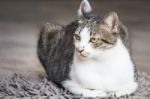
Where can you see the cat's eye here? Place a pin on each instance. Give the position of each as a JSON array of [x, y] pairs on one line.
[[106, 41], [93, 40], [76, 36]]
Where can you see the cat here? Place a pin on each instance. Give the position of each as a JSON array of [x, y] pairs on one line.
[[90, 56]]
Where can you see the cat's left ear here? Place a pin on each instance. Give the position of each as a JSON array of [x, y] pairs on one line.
[[111, 20], [84, 9]]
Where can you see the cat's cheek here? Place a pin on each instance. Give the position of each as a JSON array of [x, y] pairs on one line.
[[76, 45], [95, 53], [92, 52]]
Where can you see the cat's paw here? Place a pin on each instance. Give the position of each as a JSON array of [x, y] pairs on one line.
[[128, 90], [124, 93], [118, 94], [94, 94]]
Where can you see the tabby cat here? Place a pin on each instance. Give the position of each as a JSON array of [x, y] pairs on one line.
[[90, 56]]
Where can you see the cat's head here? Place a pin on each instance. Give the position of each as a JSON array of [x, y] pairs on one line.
[[95, 34]]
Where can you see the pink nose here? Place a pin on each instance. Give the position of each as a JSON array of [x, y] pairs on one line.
[[80, 49]]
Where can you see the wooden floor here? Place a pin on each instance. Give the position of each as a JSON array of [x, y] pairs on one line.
[[20, 22]]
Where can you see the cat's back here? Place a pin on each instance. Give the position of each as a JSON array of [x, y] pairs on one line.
[[55, 49], [49, 33]]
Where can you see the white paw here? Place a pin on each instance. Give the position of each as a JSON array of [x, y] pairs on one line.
[[121, 93], [128, 90], [118, 94], [94, 94]]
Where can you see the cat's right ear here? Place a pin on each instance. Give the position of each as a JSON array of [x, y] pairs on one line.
[[84, 9]]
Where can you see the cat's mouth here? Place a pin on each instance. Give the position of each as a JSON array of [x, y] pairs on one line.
[[83, 55]]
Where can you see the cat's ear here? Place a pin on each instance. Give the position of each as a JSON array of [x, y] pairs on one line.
[[84, 9], [111, 19]]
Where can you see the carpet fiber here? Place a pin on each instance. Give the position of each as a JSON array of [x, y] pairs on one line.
[[16, 86]]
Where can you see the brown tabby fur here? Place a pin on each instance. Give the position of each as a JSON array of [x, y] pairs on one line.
[[55, 50]]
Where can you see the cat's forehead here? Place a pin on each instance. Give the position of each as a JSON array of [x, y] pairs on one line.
[[95, 27], [91, 26]]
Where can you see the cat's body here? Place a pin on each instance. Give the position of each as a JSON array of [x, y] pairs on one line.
[[99, 63]]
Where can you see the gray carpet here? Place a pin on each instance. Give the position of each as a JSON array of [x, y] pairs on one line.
[[17, 86]]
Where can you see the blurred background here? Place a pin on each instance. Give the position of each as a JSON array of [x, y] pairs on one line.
[[21, 21]]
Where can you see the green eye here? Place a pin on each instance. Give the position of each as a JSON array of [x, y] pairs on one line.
[[76, 36], [93, 40]]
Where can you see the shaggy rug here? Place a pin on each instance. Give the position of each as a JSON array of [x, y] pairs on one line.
[[17, 86]]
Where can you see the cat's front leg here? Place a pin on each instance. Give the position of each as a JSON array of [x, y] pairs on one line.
[[79, 90]]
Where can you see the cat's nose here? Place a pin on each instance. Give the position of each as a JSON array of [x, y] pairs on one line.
[[80, 49]]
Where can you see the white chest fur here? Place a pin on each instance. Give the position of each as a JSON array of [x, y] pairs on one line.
[[109, 72]]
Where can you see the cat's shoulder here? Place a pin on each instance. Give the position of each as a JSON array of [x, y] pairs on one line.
[[50, 27]]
